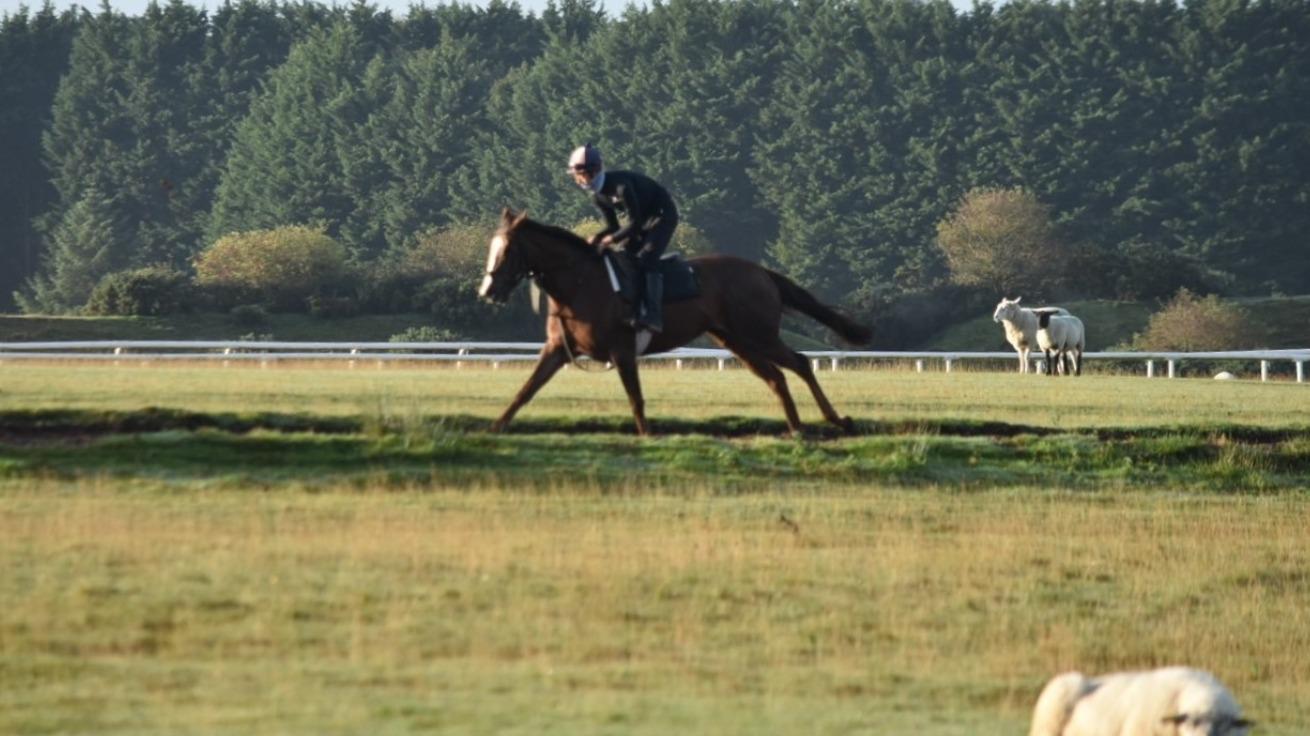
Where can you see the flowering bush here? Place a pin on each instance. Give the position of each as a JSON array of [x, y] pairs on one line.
[[1189, 322], [282, 267], [1003, 239]]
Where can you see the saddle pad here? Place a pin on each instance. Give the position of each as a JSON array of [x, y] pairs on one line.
[[680, 280]]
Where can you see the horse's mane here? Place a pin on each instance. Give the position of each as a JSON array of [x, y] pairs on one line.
[[564, 234]]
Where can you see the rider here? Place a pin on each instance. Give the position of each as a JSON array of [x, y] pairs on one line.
[[651, 217]]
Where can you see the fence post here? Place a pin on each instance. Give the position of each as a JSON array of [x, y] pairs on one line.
[[918, 366], [949, 361], [721, 361], [1150, 369], [1171, 367], [834, 363], [1300, 371], [816, 364], [1264, 370]]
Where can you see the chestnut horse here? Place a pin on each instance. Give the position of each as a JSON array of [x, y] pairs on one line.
[[740, 305]]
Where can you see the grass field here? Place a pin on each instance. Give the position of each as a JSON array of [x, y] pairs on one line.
[[207, 550]]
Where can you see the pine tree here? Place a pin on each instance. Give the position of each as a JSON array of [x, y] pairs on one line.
[[246, 40], [1246, 197], [122, 123], [827, 171], [33, 54], [422, 136], [285, 166], [88, 243]]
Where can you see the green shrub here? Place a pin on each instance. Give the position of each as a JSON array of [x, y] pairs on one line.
[[282, 267], [458, 250], [141, 292], [1003, 239], [397, 282], [1192, 323], [454, 303], [249, 315], [332, 307], [426, 333]]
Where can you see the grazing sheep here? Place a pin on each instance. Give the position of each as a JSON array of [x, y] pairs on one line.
[[1060, 336], [1172, 701], [1021, 326]]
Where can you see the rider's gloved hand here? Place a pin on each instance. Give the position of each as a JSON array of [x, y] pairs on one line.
[[601, 243]]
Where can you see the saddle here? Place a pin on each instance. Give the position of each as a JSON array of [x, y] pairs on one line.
[[680, 281]]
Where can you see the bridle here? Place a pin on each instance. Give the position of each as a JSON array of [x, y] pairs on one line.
[[535, 276]]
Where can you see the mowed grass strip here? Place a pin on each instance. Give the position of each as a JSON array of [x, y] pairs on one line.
[[399, 394], [1203, 463], [135, 609]]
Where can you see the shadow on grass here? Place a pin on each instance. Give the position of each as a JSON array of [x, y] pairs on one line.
[[268, 449], [55, 425]]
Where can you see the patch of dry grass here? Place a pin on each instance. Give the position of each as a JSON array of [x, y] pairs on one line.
[[587, 611], [891, 395]]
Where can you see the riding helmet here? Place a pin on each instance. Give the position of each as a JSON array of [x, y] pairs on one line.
[[585, 158]]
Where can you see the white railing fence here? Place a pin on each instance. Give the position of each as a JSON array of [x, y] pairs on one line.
[[497, 353]]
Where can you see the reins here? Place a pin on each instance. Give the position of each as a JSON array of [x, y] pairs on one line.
[[564, 339], [534, 276]]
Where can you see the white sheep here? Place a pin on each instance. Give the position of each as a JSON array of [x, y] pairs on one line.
[[1172, 701], [1061, 338], [1021, 326]]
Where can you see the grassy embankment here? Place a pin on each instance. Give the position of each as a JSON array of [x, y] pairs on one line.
[[400, 571], [1283, 320]]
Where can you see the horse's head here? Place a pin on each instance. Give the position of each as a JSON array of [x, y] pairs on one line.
[[506, 266], [1008, 309]]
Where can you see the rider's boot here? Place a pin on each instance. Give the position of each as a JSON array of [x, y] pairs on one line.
[[652, 303]]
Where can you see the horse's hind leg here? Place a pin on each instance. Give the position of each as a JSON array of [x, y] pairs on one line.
[[800, 365], [552, 358], [771, 375], [627, 368]]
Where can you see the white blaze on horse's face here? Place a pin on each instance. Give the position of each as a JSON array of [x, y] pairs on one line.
[[494, 255]]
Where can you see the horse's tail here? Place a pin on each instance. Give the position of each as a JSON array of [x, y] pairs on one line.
[[795, 297]]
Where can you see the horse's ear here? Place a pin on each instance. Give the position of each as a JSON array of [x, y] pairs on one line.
[[518, 220], [506, 215], [1016, 299]]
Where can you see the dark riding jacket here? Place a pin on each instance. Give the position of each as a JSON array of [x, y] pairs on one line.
[[650, 210]]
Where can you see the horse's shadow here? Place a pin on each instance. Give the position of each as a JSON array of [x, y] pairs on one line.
[[733, 426]]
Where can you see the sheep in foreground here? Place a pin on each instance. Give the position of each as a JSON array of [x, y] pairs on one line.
[[1061, 338], [1021, 326], [1173, 701]]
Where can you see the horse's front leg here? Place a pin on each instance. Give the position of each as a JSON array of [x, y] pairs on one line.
[[627, 367], [553, 357]]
